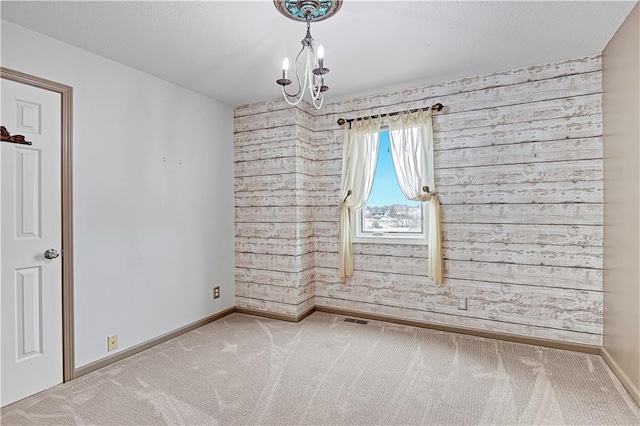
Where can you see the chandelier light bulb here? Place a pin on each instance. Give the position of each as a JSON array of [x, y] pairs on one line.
[[285, 67]]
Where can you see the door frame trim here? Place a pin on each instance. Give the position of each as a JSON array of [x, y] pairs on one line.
[[66, 96]]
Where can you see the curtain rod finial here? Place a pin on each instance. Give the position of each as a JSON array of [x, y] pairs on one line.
[[437, 107]]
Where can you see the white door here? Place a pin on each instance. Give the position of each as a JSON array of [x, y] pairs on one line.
[[30, 213]]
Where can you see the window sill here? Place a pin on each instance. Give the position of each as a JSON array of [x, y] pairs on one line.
[[418, 240]]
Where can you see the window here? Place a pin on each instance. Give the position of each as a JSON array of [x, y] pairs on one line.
[[389, 217]]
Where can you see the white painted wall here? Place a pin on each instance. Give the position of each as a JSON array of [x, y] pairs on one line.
[[153, 195], [621, 106]]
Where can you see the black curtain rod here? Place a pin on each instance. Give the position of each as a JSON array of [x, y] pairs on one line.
[[436, 107]]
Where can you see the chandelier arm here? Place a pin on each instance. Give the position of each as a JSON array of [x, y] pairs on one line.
[[319, 96], [318, 106], [315, 94], [286, 98], [300, 87], [309, 66]]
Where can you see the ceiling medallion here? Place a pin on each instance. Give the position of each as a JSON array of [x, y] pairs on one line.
[[298, 9], [314, 69]]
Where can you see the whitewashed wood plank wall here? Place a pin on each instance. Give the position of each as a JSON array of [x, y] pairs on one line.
[[519, 172], [275, 246]]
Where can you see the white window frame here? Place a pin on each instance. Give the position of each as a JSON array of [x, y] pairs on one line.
[[421, 238], [357, 219]]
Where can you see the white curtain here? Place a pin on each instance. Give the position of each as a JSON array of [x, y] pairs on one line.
[[412, 153], [359, 159]]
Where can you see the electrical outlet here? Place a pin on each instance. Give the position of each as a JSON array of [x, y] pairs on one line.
[[112, 342], [216, 292], [462, 303]]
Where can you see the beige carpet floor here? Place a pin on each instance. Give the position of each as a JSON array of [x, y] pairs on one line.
[[246, 370]]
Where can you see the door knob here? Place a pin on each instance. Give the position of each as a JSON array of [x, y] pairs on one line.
[[51, 254]]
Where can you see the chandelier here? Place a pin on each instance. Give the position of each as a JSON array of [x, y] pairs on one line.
[[314, 69]]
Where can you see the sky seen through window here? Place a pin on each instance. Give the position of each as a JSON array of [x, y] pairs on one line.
[[385, 190]]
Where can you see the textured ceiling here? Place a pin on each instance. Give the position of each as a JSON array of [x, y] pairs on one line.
[[232, 50]]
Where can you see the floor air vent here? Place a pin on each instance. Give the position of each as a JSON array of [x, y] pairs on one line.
[[356, 321]]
